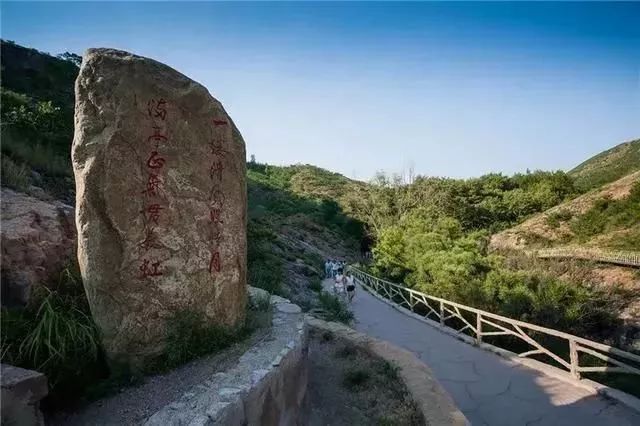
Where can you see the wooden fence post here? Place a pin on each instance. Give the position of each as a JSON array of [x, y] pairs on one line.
[[478, 328], [441, 313], [573, 355]]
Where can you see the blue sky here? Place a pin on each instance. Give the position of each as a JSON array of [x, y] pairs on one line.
[[450, 89]]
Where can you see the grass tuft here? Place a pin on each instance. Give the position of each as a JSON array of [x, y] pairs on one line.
[[335, 308], [355, 378], [346, 351], [56, 336], [389, 370], [14, 176]]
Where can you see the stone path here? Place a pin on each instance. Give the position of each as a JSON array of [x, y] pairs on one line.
[[489, 389]]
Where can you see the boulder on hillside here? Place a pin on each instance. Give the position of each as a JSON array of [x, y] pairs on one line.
[[161, 200], [38, 239]]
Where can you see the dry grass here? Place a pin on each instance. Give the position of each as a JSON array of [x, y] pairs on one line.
[[548, 229], [347, 386]]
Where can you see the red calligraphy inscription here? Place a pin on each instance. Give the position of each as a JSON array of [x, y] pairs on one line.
[[149, 269], [155, 161], [215, 215], [157, 136], [214, 263], [152, 212], [157, 109], [153, 185], [220, 122], [150, 240], [217, 149], [215, 171], [217, 198]]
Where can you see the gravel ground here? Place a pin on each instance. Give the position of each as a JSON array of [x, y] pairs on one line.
[[349, 387], [132, 406]]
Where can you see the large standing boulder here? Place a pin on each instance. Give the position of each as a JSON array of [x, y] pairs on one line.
[[38, 239], [161, 201]]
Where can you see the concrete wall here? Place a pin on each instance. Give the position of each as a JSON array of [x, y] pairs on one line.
[[434, 402], [266, 387]]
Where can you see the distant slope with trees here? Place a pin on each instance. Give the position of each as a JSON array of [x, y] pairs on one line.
[[604, 218], [607, 166]]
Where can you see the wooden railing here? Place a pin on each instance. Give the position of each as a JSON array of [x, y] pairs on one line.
[[597, 255], [481, 324]]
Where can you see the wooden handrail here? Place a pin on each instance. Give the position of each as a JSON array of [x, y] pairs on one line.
[[626, 258], [509, 326]]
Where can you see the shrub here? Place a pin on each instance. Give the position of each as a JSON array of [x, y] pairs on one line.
[[259, 314], [14, 176], [389, 370], [189, 337], [554, 219], [548, 301], [335, 308], [355, 378], [608, 215], [259, 303], [315, 284], [56, 336]]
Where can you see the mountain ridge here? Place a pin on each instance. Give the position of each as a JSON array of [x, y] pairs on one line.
[[607, 166]]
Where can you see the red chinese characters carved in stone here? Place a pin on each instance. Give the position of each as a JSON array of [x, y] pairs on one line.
[[155, 161], [157, 109], [217, 198], [215, 215], [153, 185], [150, 240], [149, 269], [214, 263], [152, 212], [219, 122], [217, 149], [215, 171], [157, 137]]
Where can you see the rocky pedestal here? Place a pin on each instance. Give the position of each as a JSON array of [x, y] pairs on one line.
[[161, 201]]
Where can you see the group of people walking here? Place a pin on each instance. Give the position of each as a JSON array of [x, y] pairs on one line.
[[344, 282], [332, 266]]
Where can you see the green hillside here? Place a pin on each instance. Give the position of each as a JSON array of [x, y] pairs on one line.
[[605, 218], [37, 120], [294, 223], [607, 166]]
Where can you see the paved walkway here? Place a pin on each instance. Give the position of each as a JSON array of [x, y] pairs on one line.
[[489, 389]]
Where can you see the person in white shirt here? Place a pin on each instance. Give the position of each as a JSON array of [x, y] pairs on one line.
[[338, 286], [335, 267], [351, 286]]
